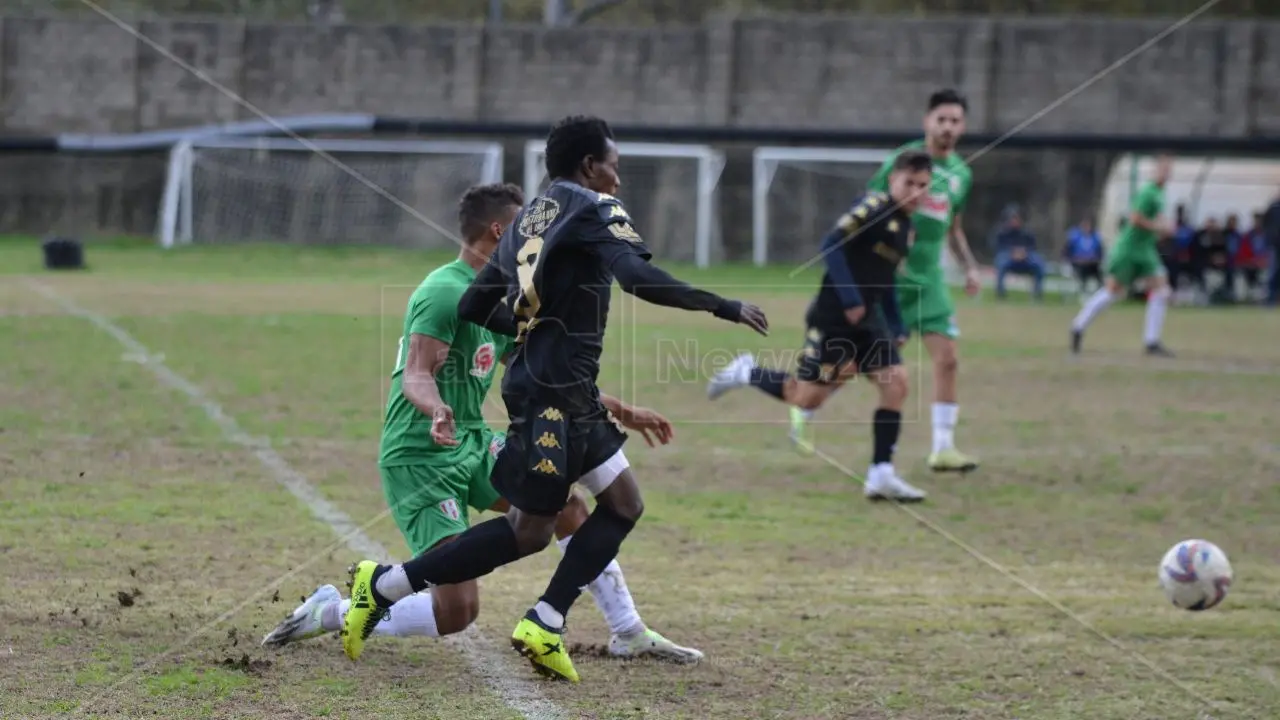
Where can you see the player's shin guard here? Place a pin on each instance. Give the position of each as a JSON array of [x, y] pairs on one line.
[[475, 553], [594, 546], [769, 381], [888, 425]]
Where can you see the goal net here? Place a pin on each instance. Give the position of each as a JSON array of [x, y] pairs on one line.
[[356, 192], [668, 189], [798, 192]]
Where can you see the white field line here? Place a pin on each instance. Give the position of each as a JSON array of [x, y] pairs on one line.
[[484, 657]]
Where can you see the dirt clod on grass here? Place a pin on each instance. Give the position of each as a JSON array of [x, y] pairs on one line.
[[127, 598], [247, 665]]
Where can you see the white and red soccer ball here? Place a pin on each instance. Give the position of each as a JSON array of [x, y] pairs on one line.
[[1195, 575]]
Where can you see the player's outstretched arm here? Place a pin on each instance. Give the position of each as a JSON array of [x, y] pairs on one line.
[[654, 285], [484, 302], [641, 419]]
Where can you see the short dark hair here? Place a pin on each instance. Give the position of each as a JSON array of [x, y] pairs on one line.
[[573, 139], [913, 161], [947, 96], [484, 204]]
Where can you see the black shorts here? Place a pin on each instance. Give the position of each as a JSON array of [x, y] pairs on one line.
[[828, 350], [548, 450], [1084, 271]]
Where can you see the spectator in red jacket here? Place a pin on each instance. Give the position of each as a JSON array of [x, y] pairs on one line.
[[1252, 254]]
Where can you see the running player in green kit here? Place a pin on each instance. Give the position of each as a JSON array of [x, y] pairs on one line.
[[437, 453], [1134, 258], [923, 295]]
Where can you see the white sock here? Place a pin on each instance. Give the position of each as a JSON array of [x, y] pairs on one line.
[[1157, 303], [880, 471], [610, 592], [413, 616], [1096, 304], [944, 425], [394, 584], [549, 615], [806, 414]]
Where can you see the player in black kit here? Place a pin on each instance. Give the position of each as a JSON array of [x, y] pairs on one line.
[[549, 285], [853, 325]]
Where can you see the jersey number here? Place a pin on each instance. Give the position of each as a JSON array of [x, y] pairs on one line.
[[400, 353], [527, 302]]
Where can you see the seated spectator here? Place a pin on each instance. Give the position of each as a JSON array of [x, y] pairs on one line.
[[1016, 252], [1084, 251], [1271, 229], [1251, 255], [1211, 251]]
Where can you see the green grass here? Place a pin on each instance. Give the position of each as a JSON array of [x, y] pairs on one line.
[[808, 602]]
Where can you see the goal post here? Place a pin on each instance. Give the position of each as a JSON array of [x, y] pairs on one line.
[[671, 190], [222, 189], [797, 192]]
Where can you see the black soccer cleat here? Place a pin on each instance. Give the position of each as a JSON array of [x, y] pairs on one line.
[[1077, 337], [1157, 350]]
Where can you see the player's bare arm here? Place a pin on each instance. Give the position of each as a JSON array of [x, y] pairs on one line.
[[958, 241], [425, 358], [641, 419]]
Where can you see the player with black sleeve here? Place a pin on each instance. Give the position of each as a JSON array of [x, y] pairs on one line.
[[549, 285], [853, 325]]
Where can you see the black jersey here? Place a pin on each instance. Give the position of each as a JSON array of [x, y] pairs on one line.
[[555, 263], [862, 255], [548, 285]]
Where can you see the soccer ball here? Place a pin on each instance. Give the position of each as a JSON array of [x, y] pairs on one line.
[[1195, 575]]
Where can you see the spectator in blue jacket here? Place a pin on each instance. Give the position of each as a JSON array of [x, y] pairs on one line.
[[1084, 251], [1016, 252]]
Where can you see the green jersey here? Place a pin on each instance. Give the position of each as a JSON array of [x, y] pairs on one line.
[[464, 379], [1148, 203], [947, 196]]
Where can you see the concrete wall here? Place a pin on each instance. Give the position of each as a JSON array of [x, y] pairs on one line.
[[81, 75]]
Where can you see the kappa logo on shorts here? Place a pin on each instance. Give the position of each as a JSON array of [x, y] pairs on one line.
[[546, 467], [450, 509], [547, 441], [482, 361], [551, 414]]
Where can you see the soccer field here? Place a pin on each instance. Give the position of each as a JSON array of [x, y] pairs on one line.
[[148, 545]]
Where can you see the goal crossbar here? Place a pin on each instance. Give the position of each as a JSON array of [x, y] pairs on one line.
[[710, 163], [765, 162], [176, 222]]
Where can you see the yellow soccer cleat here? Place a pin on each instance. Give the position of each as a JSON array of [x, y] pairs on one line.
[[952, 460], [364, 613], [544, 649], [801, 434]]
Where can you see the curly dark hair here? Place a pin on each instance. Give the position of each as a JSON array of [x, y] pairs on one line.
[[485, 204], [573, 139]]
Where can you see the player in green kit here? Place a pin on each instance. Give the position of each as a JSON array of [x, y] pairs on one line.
[[924, 297], [437, 453], [1133, 258]]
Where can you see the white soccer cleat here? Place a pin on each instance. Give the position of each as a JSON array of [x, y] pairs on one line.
[[734, 375], [651, 644], [886, 485], [304, 623]]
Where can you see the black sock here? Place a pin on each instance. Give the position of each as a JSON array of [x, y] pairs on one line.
[[769, 381], [476, 552], [888, 423], [594, 546]]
